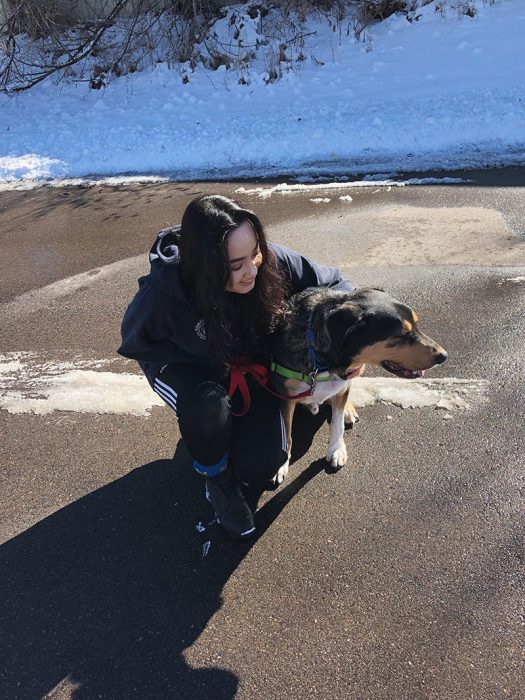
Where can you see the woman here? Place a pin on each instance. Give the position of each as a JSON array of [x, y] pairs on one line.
[[216, 290]]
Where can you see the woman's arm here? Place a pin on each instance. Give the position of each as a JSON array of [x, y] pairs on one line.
[[157, 328]]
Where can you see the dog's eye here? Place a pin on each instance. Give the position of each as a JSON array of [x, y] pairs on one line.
[[406, 333]]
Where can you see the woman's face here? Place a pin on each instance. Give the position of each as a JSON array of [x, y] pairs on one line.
[[244, 258]]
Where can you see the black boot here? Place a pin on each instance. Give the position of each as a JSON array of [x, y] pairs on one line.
[[232, 511]]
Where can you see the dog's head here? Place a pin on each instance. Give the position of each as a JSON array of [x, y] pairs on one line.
[[371, 327]]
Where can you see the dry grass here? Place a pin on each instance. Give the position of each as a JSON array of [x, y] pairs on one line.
[[97, 40]]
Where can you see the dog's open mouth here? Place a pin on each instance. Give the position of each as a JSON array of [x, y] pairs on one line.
[[401, 371]]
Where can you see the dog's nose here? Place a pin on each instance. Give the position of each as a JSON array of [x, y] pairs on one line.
[[440, 357]]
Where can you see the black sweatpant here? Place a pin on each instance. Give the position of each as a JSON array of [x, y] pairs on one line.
[[254, 444]]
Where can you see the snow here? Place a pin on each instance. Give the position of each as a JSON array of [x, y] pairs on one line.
[[284, 188], [444, 92], [445, 393], [514, 280], [30, 384]]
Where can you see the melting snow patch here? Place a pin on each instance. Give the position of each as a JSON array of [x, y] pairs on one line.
[[284, 188], [32, 385], [28, 385], [111, 181], [513, 280], [448, 394], [321, 200]]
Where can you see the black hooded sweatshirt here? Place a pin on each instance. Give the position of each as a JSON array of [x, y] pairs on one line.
[[162, 325]]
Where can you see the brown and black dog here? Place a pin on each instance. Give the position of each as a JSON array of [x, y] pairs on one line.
[[342, 332]]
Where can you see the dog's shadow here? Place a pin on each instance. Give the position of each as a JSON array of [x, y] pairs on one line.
[[106, 594]]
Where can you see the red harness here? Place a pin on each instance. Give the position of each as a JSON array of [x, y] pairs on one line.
[[240, 367]]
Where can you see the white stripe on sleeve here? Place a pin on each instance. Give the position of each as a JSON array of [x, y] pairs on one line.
[[168, 399], [167, 388]]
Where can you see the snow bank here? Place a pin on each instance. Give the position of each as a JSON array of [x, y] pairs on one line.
[[443, 92]]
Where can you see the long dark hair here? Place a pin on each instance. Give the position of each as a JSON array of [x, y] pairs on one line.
[[206, 226]]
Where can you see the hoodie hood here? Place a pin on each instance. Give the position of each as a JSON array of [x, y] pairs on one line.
[[166, 246], [164, 257]]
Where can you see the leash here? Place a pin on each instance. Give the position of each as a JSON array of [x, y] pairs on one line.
[[240, 367]]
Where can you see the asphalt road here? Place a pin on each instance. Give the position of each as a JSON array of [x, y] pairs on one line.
[[399, 577]]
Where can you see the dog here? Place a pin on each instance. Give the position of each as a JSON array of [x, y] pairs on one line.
[[327, 337]]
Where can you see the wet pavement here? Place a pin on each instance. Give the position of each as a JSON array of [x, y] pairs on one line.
[[399, 577]]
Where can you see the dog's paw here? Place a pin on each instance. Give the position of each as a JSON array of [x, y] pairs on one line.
[[351, 415], [337, 455], [282, 473], [313, 408]]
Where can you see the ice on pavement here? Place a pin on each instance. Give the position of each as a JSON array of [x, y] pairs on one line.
[[32, 385], [446, 393]]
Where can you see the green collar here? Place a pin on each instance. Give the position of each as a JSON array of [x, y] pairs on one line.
[[309, 378]]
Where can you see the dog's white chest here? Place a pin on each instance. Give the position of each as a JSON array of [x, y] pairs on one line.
[[325, 390]]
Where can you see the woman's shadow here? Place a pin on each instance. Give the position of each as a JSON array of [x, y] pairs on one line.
[[109, 591]]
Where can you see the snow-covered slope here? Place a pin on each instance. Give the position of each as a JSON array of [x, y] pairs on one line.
[[444, 92]]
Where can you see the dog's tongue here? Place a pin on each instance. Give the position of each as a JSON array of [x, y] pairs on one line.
[[353, 372], [401, 371], [413, 373]]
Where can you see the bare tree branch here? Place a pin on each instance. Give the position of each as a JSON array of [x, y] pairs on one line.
[[37, 42], [80, 52]]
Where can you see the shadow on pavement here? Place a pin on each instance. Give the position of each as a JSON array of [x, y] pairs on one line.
[[109, 591]]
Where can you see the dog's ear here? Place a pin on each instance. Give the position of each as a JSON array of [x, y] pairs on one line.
[[339, 323]]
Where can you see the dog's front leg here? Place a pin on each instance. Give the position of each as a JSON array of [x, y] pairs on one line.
[[351, 415], [337, 454]]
